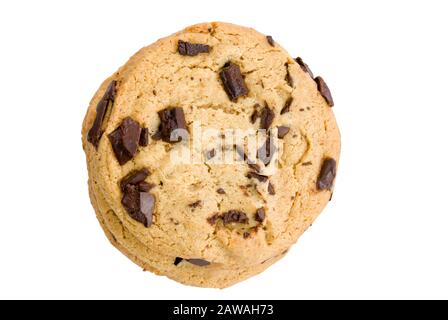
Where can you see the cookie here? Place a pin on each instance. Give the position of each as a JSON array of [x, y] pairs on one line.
[[209, 153]]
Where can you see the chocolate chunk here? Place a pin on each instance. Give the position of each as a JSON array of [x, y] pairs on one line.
[[254, 116], [260, 215], [324, 90], [147, 202], [234, 216], [270, 41], [210, 154], [267, 151], [257, 176], [240, 151], [246, 235], [139, 205], [288, 77], [125, 140], [266, 118], [195, 204], [233, 81], [177, 260], [171, 119], [199, 262], [192, 49], [212, 220], [308, 163], [134, 178], [287, 105], [131, 199], [156, 136], [254, 167], [144, 137], [327, 175], [145, 186], [95, 133], [271, 189], [304, 66], [282, 131], [221, 191]]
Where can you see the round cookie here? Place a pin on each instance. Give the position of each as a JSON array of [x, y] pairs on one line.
[[209, 221]]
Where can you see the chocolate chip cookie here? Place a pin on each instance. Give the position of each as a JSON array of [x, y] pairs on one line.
[[209, 153]]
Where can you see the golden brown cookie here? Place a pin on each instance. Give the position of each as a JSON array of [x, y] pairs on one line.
[[209, 153]]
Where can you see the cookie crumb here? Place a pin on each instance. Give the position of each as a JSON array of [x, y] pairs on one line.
[[195, 204]]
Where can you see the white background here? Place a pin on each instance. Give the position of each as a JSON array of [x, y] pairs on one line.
[[384, 235]]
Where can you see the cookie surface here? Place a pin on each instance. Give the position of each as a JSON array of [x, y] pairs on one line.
[[208, 221]]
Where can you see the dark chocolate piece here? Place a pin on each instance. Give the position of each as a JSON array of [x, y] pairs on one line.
[[271, 189], [257, 176], [304, 66], [324, 90], [198, 262], [234, 216], [270, 41], [327, 175], [134, 178], [266, 118], [255, 115], [139, 205], [267, 151], [144, 137], [254, 167], [177, 260], [282, 131], [125, 140], [147, 203], [210, 154], [195, 204], [240, 151], [287, 105], [233, 81], [95, 133], [192, 49], [260, 215], [156, 136], [212, 219], [171, 119], [221, 191], [145, 186]]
